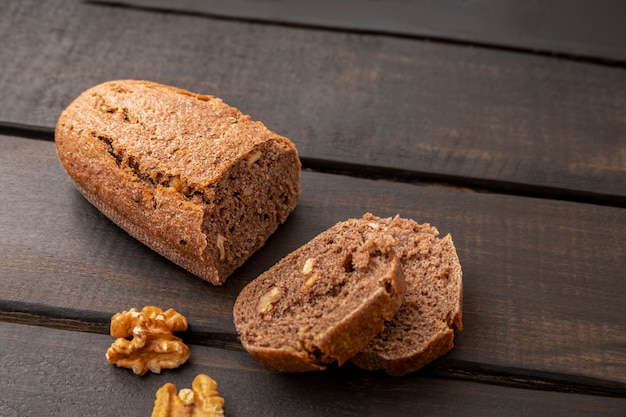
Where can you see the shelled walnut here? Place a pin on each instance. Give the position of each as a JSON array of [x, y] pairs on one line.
[[145, 340], [202, 400]]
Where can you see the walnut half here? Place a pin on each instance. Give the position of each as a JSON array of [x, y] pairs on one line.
[[202, 400], [145, 341]]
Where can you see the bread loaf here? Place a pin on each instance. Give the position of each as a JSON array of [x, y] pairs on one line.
[[189, 176], [323, 302], [423, 328]]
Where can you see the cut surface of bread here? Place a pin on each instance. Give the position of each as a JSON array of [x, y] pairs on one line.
[[323, 302], [186, 174], [423, 328]]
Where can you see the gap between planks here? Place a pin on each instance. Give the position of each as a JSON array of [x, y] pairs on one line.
[[397, 175], [441, 368], [603, 61]]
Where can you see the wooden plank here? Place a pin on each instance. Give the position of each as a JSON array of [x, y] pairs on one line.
[[54, 372], [424, 110], [542, 278], [571, 28]]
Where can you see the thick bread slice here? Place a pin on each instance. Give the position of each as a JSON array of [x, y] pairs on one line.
[[186, 174], [423, 328], [323, 302]]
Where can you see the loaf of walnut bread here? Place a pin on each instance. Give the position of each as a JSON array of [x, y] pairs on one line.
[[423, 329], [323, 302], [189, 176]]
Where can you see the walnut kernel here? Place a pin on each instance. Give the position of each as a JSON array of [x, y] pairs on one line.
[[220, 246], [145, 341], [309, 282], [176, 183], [267, 300], [307, 269], [253, 157], [202, 400], [308, 266]]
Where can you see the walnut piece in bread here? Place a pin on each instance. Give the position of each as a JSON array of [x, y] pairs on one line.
[[186, 174], [323, 302]]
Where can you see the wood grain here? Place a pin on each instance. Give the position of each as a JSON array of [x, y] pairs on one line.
[[68, 375], [483, 118], [569, 28], [388, 104], [540, 276]]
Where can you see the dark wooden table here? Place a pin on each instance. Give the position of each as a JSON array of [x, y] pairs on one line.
[[502, 123]]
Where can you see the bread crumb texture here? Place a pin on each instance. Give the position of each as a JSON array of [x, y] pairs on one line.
[[188, 175], [323, 302]]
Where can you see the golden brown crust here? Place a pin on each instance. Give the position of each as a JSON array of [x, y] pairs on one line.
[[186, 174]]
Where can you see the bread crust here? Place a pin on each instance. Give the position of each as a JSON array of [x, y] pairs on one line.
[[187, 175], [308, 332]]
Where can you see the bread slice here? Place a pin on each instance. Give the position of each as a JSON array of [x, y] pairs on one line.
[[323, 302], [186, 174], [423, 328]]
